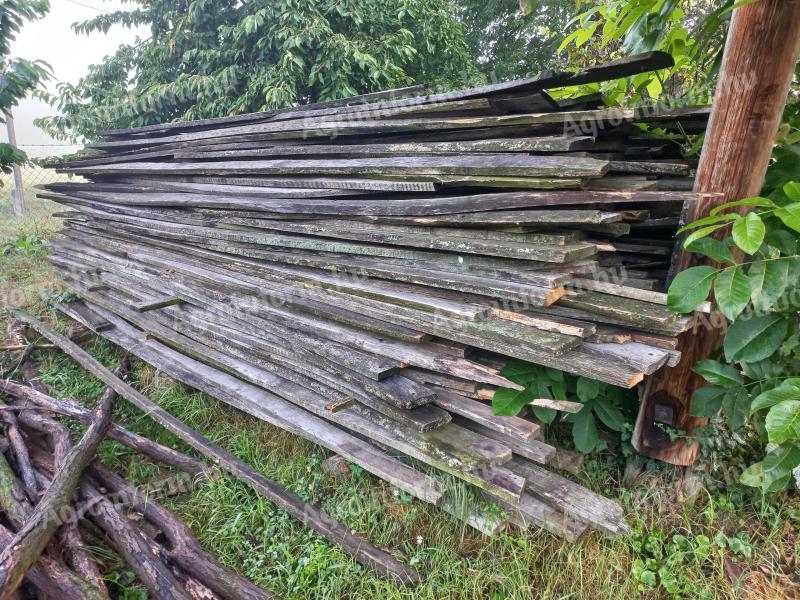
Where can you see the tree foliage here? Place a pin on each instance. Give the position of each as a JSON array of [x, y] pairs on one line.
[[692, 31], [18, 76], [506, 43], [220, 57]]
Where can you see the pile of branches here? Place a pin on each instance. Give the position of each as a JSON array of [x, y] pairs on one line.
[[57, 498]]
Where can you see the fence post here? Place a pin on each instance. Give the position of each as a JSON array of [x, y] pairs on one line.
[[755, 76], [18, 193]]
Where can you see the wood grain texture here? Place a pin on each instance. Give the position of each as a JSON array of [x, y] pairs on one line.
[[308, 515], [359, 272], [760, 56]]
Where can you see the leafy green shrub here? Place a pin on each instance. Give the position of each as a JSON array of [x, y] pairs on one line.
[[664, 560], [759, 381], [30, 246], [210, 59], [601, 402]]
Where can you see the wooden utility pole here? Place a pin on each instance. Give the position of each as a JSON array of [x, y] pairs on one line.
[[757, 69], [18, 194]]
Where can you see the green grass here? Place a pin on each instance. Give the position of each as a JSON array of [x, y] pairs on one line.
[[688, 550], [24, 273]]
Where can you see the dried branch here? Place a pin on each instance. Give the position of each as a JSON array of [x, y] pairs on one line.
[[29, 542]]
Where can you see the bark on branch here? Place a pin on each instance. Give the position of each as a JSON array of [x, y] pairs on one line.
[[356, 546], [29, 542]]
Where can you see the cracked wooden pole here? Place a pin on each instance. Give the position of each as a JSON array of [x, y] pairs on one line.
[[757, 68]]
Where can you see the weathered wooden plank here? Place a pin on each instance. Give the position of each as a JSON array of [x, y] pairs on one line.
[[502, 331], [481, 413], [418, 355], [532, 511], [525, 144], [396, 390], [142, 185], [405, 185], [531, 449], [623, 291], [573, 499], [536, 273], [399, 236], [215, 121], [635, 312], [517, 217], [529, 288], [648, 167], [261, 404], [646, 358], [620, 68], [331, 127], [581, 361], [287, 501], [457, 447], [334, 313], [495, 164], [327, 385], [397, 207]]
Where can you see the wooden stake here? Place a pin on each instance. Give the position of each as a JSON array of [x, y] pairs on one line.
[[760, 57]]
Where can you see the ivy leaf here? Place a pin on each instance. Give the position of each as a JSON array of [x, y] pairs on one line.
[[609, 414], [718, 373], [768, 281], [587, 389], [508, 403], [584, 431], [712, 248], [783, 422], [756, 338], [736, 407], [732, 291], [785, 391], [690, 288], [748, 233], [790, 215], [707, 401]]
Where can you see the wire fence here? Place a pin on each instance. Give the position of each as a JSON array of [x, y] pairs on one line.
[[32, 175]]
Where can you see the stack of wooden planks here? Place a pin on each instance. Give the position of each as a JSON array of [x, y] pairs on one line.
[[359, 271]]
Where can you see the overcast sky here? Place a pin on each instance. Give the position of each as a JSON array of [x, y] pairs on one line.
[[51, 39]]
